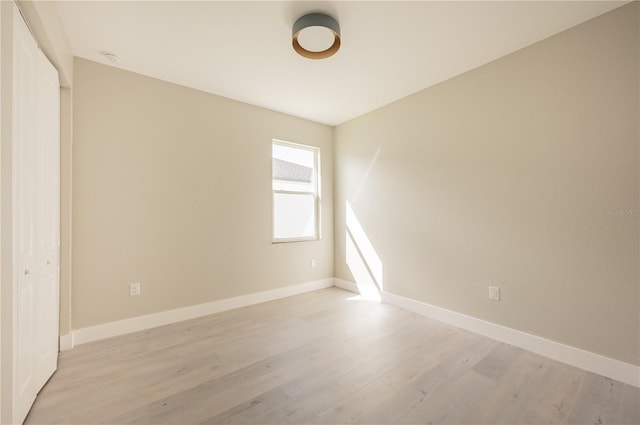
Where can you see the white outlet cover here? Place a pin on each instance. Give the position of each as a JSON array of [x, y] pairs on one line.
[[494, 293], [134, 289]]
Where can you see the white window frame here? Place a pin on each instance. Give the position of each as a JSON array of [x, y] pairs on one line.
[[317, 179]]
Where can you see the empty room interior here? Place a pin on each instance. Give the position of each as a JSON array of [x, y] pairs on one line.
[[310, 212]]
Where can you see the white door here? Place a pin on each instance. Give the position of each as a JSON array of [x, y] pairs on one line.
[[36, 218], [24, 189]]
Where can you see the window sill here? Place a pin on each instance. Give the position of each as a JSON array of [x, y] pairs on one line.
[[290, 240]]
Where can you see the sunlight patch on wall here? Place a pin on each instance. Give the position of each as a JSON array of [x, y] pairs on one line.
[[365, 176], [363, 261]]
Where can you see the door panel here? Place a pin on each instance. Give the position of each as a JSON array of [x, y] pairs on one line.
[[48, 235], [36, 212], [24, 187]]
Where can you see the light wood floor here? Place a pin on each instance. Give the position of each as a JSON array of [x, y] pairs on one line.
[[323, 358]]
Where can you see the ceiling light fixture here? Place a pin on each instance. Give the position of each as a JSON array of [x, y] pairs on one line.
[[316, 36]]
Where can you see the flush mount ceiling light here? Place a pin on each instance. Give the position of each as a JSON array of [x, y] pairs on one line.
[[316, 36]]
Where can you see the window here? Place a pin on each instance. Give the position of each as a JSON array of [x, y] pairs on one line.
[[295, 185]]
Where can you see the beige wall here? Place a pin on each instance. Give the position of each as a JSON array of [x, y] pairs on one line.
[[172, 188], [503, 176]]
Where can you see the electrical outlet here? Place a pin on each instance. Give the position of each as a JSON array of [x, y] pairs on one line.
[[313, 263], [134, 289], [494, 293]]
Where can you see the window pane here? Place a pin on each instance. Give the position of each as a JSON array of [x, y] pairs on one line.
[[293, 215], [293, 168], [296, 155]]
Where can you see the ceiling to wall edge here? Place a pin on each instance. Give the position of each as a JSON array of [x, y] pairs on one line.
[[44, 21]]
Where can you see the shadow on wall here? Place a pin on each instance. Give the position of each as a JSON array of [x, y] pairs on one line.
[[362, 259]]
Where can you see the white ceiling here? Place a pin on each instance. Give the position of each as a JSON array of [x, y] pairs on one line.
[[242, 50]]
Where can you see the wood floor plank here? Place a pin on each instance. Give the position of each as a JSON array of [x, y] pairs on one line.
[[341, 367], [248, 411], [602, 400], [170, 408], [303, 409], [358, 404], [451, 402], [322, 358], [415, 392]]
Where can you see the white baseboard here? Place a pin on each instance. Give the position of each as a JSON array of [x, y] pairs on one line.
[[135, 324], [614, 369], [66, 342], [611, 368], [346, 285]]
